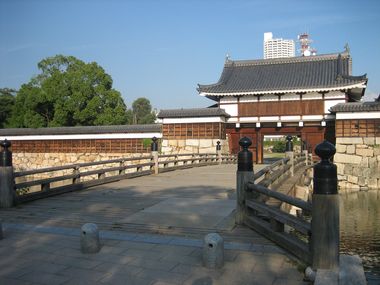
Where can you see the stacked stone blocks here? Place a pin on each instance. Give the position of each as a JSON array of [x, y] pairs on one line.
[[358, 162]]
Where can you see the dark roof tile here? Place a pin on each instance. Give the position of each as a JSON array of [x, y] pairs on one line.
[[151, 128], [356, 107], [196, 112], [294, 73]]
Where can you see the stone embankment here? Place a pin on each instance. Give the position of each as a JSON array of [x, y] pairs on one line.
[[358, 163], [179, 146], [28, 161]]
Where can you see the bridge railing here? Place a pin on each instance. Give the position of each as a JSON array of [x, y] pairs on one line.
[[313, 233], [22, 186]]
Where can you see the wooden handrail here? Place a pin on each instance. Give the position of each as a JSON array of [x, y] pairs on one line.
[[277, 195]]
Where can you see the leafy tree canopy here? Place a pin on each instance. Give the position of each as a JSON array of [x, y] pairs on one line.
[[68, 92], [141, 112], [7, 100]]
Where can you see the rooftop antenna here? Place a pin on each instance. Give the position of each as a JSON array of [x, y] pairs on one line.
[[227, 57], [347, 48], [305, 41]]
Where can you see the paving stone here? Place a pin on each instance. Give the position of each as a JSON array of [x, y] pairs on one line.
[[10, 281], [44, 278], [47, 267], [112, 268], [112, 249], [114, 258], [125, 278], [154, 264], [164, 276], [136, 245], [186, 259], [186, 269], [174, 249], [77, 262], [83, 274]]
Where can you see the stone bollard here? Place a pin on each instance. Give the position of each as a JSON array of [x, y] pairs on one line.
[[243, 175], [213, 251], [89, 238], [7, 193], [325, 211]]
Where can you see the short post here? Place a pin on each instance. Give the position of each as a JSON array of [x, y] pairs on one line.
[[243, 175], [7, 193], [289, 153], [76, 171], [154, 150], [305, 152], [89, 238], [122, 165], [219, 152], [1, 231], [325, 211], [213, 251]]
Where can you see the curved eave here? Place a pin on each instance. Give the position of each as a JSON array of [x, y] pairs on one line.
[[218, 94]]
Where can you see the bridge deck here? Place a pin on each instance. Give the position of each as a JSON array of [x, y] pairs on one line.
[[151, 229], [188, 202]]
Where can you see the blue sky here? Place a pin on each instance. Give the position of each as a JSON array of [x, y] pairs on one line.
[[162, 49]]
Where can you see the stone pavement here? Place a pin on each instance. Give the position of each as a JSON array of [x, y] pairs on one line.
[[47, 255], [151, 229]]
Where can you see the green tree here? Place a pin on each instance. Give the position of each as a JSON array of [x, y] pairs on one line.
[[68, 92], [7, 100], [279, 146], [141, 112]]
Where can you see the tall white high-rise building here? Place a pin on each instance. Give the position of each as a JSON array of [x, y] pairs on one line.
[[275, 48]]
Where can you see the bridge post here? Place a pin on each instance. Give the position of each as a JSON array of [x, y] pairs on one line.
[[154, 150], [7, 193], [305, 152], [325, 211], [243, 175], [289, 153], [219, 152]]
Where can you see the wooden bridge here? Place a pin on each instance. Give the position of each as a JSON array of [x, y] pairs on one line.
[[191, 202]]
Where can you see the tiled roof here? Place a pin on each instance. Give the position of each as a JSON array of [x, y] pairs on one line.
[[282, 74], [152, 128], [356, 107], [196, 112]]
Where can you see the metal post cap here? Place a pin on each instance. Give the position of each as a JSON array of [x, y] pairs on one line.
[[218, 146], [289, 143], [325, 150], [325, 172], [5, 154], [154, 144], [245, 143], [245, 156], [5, 144]]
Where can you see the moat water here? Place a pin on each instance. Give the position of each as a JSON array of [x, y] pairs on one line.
[[360, 230]]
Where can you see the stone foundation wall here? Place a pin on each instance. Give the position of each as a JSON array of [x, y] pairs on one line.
[[358, 163], [28, 161], [177, 146]]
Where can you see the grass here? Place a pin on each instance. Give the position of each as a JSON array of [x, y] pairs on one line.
[[274, 155]]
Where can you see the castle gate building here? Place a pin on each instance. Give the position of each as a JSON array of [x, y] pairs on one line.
[[284, 96]]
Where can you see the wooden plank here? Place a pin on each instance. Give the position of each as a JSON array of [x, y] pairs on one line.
[[282, 197], [291, 244], [45, 181], [285, 218]]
